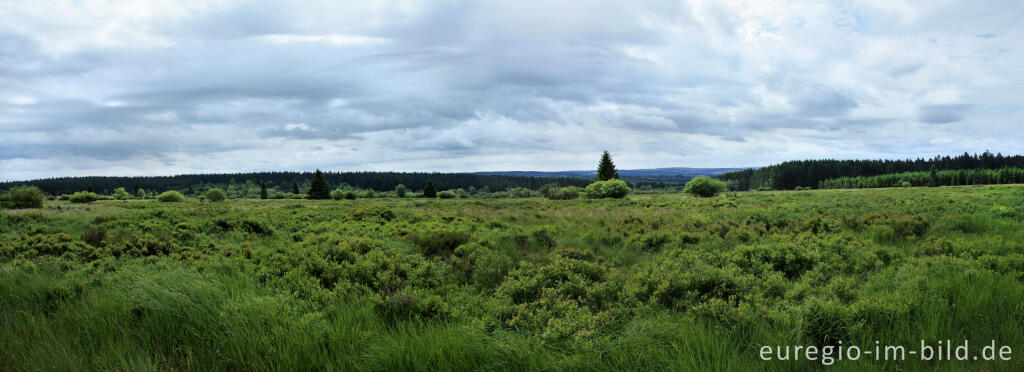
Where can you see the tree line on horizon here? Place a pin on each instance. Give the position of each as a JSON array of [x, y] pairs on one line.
[[811, 173], [294, 182]]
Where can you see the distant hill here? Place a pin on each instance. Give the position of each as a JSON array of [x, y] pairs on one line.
[[673, 174]]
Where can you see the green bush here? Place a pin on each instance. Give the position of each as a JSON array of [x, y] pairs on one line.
[[170, 197], [337, 194], [22, 197], [613, 188], [704, 187], [83, 197], [447, 194], [563, 193], [215, 195], [121, 194]]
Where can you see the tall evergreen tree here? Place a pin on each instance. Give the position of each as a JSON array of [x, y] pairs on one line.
[[295, 188], [318, 188], [606, 169], [429, 191], [263, 190]]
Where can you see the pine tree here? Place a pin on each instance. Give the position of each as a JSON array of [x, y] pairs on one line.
[[428, 190], [263, 190], [295, 188], [318, 188], [606, 169]]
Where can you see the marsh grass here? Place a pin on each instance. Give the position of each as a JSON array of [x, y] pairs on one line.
[[650, 282]]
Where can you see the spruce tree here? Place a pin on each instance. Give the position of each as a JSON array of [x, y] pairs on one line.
[[428, 190], [606, 169], [263, 190], [295, 188], [318, 188]]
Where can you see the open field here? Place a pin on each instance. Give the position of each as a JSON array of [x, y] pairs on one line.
[[650, 282]]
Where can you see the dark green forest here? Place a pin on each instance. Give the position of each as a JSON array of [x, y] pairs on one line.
[[952, 177], [810, 173], [284, 181]]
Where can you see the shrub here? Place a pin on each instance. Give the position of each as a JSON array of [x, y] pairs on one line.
[[170, 197], [520, 192], [563, 193], [83, 197], [121, 194], [400, 191], [905, 184], [215, 195], [22, 197], [337, 194], [704, 186], [613, 188], [350, 195], [447, 194]]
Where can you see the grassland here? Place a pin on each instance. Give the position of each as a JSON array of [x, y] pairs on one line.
[[650, 282]]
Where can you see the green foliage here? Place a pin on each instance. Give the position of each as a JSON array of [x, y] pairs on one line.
[[607, 189], [563, 193], [21, 197], [400, 191], [263, 191], [121, 194], [656, 282], [318, 188], [83, 197], [170, 197], [447, 194], [429, 191], [215, 195], [606, 168], [704, 187], [337, 194]]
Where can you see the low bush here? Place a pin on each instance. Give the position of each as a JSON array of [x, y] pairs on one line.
[[170, 197], [22, 197], [83, 197], [704, 187], [613, 188], [215, 195], [337, 194], [563, 193], [447, 194]]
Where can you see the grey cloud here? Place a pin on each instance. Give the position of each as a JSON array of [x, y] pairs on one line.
[[942, 114], [470, 82]]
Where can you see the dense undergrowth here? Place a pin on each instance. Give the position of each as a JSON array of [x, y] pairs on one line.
[[649, 282]]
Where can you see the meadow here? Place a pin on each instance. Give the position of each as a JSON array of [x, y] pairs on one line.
[[648, 282]]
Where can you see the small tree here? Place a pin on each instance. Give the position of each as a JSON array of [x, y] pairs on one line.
[[337, 194], [121, 194], [400, 191], [295, 188], [140, 193], [606, 168], [263, 190], [215, 195], [429, 191], [318, 188]]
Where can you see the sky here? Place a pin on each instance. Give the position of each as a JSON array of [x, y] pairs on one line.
[[171, 87]]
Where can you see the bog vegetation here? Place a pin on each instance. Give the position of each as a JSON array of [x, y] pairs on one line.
[[644, 282]]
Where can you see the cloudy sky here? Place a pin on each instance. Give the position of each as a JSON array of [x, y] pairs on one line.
[[167, 87]]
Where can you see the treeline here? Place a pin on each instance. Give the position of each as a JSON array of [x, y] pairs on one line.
[[957, 177], [810, 173], [288, 181]]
